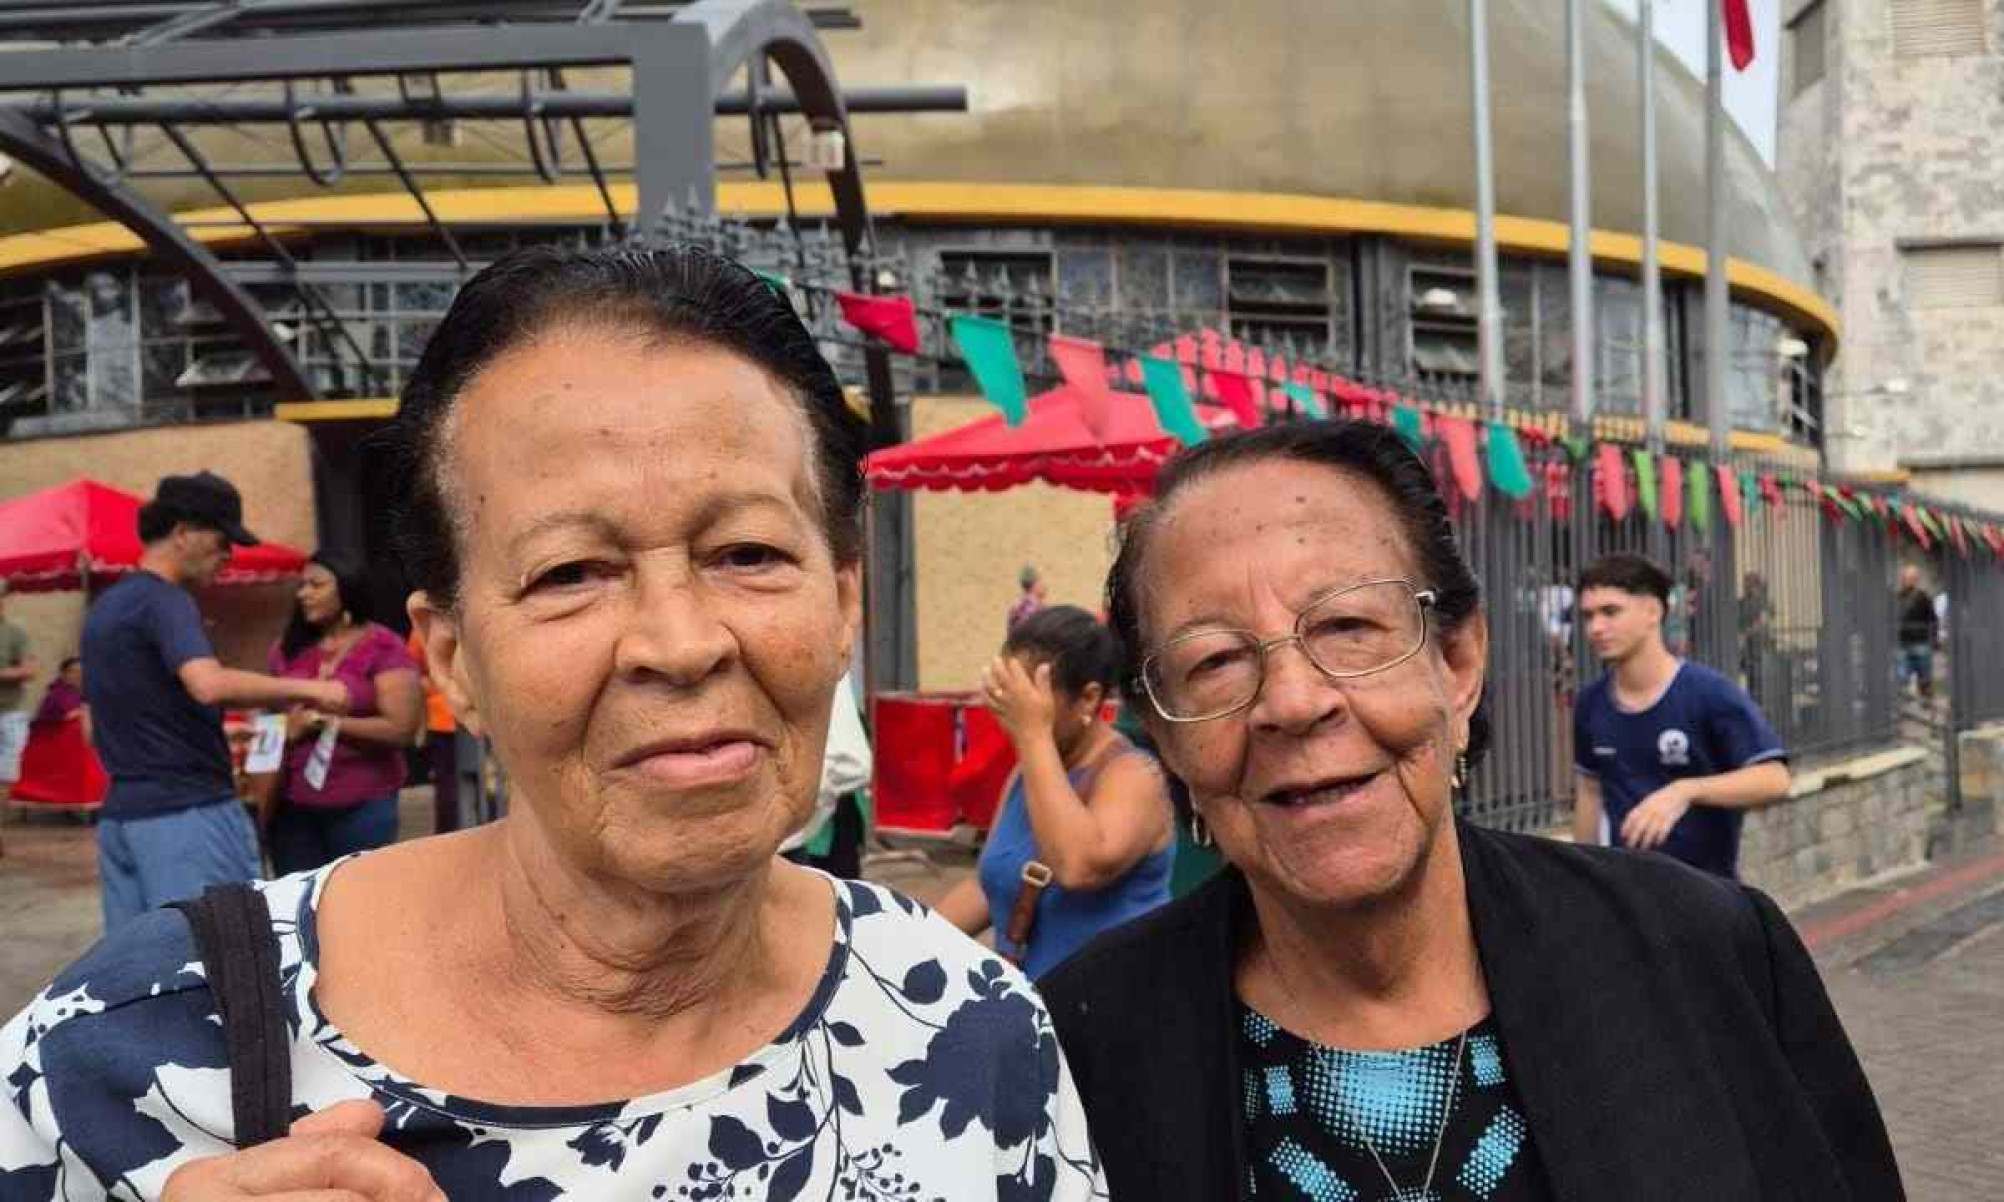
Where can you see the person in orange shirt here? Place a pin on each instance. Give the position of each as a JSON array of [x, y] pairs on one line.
[[441, 747]]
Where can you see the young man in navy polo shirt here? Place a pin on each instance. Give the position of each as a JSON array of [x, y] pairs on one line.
[[1670, 751]]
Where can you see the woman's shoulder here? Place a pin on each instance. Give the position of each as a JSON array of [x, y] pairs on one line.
[[916, 962]]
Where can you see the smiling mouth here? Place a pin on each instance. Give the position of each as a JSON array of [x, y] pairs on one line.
[[1328, 792], [696, 763]]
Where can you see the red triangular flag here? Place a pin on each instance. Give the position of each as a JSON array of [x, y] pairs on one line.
[[1235, 392], [1770, 491], [1083, 365], [1670, 490], [1914, 524], [891, 318], [1459, 435], [1610, 481], [1739, 33], [1729, 493], [1995, 537], [1956, 536]]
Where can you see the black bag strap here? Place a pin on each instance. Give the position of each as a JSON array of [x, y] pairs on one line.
[[232, 928]]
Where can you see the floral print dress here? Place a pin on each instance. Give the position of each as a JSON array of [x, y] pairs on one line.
[[921, 1069]]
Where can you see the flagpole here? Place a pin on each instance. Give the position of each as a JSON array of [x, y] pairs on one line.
[[1489, 303], [1579, 256], [1716, 328], [1653, 400]]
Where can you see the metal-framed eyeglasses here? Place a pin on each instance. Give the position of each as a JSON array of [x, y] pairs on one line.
[[1353, 631]]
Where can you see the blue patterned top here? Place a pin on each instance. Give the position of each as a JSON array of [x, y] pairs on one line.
[[1314, 1115], [921, 1068]]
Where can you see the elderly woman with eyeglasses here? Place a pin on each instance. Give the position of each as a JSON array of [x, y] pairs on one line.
[[1380, 1002]]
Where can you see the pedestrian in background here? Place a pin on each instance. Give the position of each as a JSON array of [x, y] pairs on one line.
[[337, 792], [1084, 835], [1673, 752], [17, 668], [1919, 628], [171, 823], [441, 744], [1032, 596]]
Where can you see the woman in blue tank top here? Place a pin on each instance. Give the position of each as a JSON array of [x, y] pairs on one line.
[[1086, 812]]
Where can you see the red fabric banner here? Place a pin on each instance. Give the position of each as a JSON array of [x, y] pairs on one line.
[[1235, 392], [1670, 490], [1729, 493], [1459, 435], [1610, 481], [891, 318], [1739, 33], [1083, 365]]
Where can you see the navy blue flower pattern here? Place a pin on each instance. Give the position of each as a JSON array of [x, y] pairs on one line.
[[923, 1070]]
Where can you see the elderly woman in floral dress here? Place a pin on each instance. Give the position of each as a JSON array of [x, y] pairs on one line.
[[630, 508]]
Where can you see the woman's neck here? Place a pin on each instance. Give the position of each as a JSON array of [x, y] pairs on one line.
[[623, 950], [1398, 972], [1089, 744]]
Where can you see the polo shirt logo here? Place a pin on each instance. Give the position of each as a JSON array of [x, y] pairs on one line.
[[1673, 748]]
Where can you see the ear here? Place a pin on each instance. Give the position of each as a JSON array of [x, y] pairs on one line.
[[444, 658], [1092, 697], [849, 603], [1465, 652]]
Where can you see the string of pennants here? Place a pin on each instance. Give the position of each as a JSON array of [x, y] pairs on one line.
[[1666, 488]]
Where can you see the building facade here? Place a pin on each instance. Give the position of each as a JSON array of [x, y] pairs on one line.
[[1893, 129]]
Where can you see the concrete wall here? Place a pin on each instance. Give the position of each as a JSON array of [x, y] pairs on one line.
[[1842, 824], [269, 462], [1884, 151], [969, 548]]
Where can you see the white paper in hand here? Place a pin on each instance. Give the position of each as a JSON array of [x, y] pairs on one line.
[[322, 758], [267, 749]]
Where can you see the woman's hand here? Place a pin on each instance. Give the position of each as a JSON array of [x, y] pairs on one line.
[[1020, 696], [300, 722], [332, 1156]]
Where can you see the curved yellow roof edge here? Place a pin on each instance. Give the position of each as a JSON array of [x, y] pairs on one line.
[[967, 202]]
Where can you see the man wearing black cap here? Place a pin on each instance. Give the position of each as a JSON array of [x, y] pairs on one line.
[[171, 824]]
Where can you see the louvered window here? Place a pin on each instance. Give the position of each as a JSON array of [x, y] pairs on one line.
[[1928, 27], [1952, 277]]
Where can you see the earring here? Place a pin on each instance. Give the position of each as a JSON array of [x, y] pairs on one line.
[[1200, 835], [1460, 778]]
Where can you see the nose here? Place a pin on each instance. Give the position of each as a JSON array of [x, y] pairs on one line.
[[1295, 697], [674, 632]]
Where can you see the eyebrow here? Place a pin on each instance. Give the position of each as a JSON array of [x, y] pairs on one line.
[[1215, 621], [714, 508]]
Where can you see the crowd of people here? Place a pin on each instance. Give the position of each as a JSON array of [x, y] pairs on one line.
[[657, 975]]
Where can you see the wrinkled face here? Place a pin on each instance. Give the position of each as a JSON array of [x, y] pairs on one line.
[[319, 595], [1619, 623], [651, 624], [202, 553], [1330, 791]]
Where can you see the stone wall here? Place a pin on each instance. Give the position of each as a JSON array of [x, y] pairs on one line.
[[1842, 824]]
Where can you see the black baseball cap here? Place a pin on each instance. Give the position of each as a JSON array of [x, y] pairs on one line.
[[206, 499]]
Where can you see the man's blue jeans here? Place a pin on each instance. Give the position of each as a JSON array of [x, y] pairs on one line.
[[144, 863]]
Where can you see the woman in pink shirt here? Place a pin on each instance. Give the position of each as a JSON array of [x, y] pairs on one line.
[[338, 789]]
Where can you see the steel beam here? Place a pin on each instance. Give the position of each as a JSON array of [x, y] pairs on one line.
[[122, 110], [21, 139]]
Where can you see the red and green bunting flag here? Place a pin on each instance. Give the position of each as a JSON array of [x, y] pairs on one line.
[[1699, 482], [1173, 408], [1235, 392], [891, 318], [990, 352], [1672, 491], [1507, 469], [1645, 480], [1729, 494], [1083, 366]]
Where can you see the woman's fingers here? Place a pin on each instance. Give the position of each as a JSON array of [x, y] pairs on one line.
[[331, 1156], [357, 1116]]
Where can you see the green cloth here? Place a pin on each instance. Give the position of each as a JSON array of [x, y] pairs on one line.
[[1645, 480], [1305, 399], [1507, 470], [990, 351], [13, 653], [1411, 427], [1164, 381], [821, 841]]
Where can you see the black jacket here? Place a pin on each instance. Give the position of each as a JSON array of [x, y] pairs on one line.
[[1666, 1032]]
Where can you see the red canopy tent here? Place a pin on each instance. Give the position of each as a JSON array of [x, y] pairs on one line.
[[1053, 445], [62, 537]]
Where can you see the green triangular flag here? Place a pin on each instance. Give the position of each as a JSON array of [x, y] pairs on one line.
[[1507, 470], [990, 352], [1698, 496], [1164, 382], [1928, 519], [773, 280], [1411, 427], [1304, 399], [1645, 480], [1750, 490], [1576, 448]]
